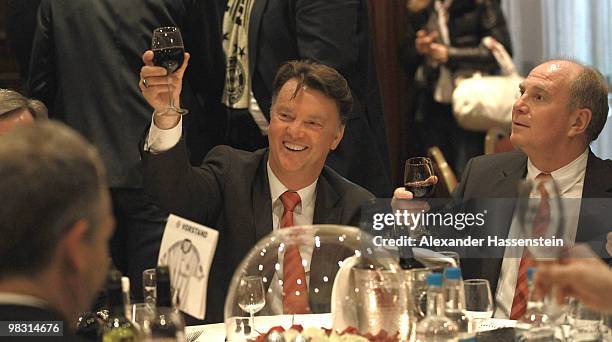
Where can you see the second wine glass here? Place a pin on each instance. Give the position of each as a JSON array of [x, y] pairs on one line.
[[419, 177]]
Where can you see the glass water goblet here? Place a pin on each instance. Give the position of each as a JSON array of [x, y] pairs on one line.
[[251, 297]]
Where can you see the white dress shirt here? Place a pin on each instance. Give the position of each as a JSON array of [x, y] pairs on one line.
[[11, 298], [570, 180]]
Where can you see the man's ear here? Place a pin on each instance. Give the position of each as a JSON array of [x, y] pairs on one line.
[[580, 120], [74, 246], [338, 137]]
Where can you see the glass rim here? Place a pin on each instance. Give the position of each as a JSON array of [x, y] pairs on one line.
[[167, 29], [476, 281], [418, 161]]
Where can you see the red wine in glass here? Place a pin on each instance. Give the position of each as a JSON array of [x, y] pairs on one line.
[[169, 58]]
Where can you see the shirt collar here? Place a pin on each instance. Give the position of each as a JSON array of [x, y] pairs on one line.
[[565, 177], [277, 188], [21, 299]]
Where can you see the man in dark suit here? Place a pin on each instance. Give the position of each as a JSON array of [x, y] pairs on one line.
[[55, 225], [259, 36], [84, 67], [562, 108], [245, 194]]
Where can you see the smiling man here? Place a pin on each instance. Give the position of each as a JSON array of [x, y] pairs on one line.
[[246, 195]]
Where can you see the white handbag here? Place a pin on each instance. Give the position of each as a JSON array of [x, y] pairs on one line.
[[484, 102]]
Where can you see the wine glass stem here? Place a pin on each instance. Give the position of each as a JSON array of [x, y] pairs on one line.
[[171, 97], [252, 322]]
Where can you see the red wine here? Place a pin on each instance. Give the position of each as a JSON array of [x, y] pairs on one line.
[[420, 189], [170, 58]]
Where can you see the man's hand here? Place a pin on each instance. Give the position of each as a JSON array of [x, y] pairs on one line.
[[423, 42], [583, 276], [439, 53], [609, 244], [404, 199], [156, 87]]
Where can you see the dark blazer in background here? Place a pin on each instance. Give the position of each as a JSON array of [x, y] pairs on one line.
[[230, 192], [86, 64], [498, 176], [21, 24], [336, 33]]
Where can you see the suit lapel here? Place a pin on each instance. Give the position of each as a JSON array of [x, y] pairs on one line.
[[595, 204], [261, 201], [506, 191], [254, 26], [326, 211]]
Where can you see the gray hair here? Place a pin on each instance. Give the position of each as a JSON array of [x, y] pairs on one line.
[[11, 101], [590, 90], [51, 177]]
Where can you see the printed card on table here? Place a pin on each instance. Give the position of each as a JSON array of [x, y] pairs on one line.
[[188, 249]]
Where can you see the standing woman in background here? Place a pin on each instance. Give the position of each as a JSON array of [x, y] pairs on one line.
[[443, 42]]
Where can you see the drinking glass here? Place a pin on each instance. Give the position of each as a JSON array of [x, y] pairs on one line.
[[478, 301], [168, 52], [149, 286], [584, 322], [419, 177], [540, 215], [251, 297], [142, 314]]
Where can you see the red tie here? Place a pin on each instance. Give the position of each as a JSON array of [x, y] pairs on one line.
[[541, 221], [295, 291]]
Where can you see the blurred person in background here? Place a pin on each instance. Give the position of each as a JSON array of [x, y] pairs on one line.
[[55, 225], [16, 109], [85, 66], [443, 42]]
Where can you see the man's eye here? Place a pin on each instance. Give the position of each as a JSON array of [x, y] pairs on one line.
[[538, 97], [283, 116]]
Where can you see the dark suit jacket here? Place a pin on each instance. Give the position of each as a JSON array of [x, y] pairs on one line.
[[336, 33], [230, 192], [13, 312], [498, 175], [85, 67]]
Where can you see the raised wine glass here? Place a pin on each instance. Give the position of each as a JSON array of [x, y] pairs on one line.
[[251, 297], [169, 52], [419, 177]]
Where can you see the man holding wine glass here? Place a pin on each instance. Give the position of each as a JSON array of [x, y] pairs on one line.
[[245, 195], [562, 108]]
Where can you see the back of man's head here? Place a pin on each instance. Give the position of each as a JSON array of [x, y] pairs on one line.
[[50, 178]]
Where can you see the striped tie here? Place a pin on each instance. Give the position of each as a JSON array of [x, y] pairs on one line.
[[540, 224], [295, 290]]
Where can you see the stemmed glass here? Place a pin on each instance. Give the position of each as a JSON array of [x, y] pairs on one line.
[[540, 215], [419, 177], [169, 52], [251, 297], [478, 301]]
